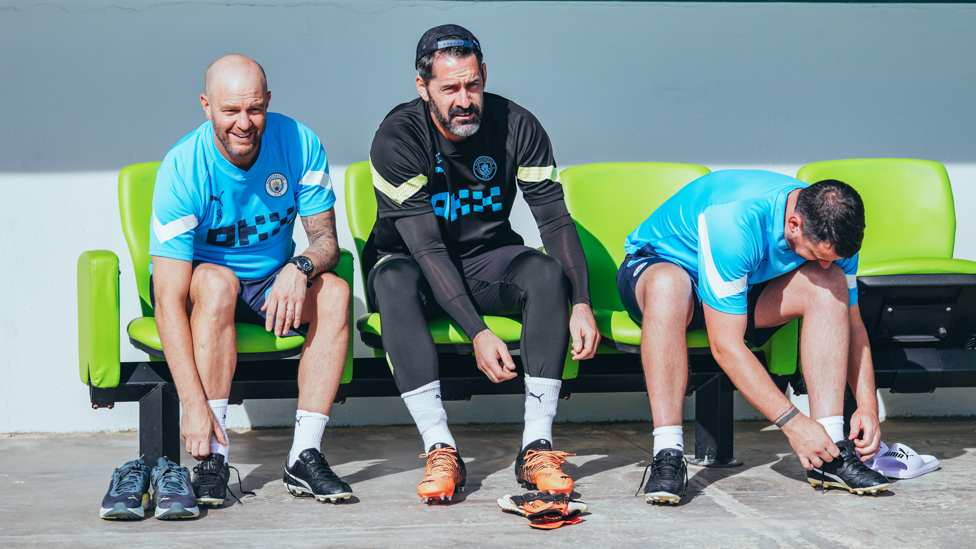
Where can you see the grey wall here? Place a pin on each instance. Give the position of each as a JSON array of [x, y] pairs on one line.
[[88, 87]]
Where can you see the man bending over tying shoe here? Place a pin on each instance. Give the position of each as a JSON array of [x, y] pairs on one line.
[[224, 209], [743, 253], [446, 168]]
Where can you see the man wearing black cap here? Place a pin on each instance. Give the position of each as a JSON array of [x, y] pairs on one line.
[[446, 168]]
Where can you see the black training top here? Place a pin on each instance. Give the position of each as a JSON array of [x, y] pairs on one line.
[[469, 187]]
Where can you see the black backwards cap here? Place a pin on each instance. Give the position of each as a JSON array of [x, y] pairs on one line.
[[433, 40]]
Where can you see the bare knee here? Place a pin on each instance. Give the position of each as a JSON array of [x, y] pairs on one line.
[[665, 289], [213, 289], [332, 291], [826, 287]]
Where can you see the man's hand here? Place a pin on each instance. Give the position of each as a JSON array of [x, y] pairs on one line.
[[489, 350], [583, 330], [284, 303], [810, 442], [866, 433], [198, 424]]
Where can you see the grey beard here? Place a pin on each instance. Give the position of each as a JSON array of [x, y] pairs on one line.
[[458, 129], [464, 130]]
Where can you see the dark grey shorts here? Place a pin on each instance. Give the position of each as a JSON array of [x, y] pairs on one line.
[[635, 264], [251, 295]]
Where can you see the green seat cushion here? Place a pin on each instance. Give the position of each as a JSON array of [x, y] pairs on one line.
[[251, 338], [917, 265], [908, 206], [447, 332], [618, 326]]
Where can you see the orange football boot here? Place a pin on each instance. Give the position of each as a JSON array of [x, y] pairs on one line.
[[538, 468], [444, 475]]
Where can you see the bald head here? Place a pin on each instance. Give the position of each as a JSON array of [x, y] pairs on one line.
[[234, 72], [236, 101]]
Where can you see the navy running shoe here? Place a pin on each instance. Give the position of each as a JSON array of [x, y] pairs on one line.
[[128, 494], [173, 492]]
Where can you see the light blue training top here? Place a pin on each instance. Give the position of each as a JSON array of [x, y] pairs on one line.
[[207, 209], [730, 224]]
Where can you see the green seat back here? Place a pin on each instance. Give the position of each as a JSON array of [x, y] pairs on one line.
[[607, 202], [908, 207], [360, 206], [136, 184]]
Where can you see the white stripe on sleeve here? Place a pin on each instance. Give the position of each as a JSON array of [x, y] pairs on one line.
[[721, 288], [317, 177], [851, 282], [173, 228]]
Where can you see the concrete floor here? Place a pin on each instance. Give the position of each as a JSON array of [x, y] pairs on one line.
[[51, 487]]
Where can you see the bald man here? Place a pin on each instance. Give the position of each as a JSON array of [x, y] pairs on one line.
[[224, 207]]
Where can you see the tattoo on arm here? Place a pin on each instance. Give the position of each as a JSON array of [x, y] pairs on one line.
[[323, 246], [786, 416]]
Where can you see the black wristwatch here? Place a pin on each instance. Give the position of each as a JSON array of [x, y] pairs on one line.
[[304, 265]]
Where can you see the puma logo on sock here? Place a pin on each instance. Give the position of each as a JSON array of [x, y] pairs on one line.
[[538, 396], [438, 397]]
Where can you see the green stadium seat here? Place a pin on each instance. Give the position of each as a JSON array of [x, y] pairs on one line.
[[918, 303], [610, 200], [448, 336], [149, 383]]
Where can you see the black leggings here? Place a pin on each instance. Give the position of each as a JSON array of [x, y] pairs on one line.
[[508, 281]]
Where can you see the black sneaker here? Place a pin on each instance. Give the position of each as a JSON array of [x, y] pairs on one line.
[[210, 480], [128, 493], [172, 491], [847, 471], [312, 476], [669, 477]]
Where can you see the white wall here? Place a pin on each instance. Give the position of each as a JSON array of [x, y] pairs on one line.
[[87, 87]]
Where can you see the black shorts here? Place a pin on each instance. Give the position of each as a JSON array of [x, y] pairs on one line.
[[635, 264], [482, 277], [251, 295]]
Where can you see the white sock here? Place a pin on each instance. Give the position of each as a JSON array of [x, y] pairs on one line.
[[541, 398], [672, 436], [219, 408], [834, 426], [309, 427], [427, 410]]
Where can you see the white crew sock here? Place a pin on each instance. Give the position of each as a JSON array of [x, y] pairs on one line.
[[834, 426], [219, 408], [427, 410], [541, 397], [672, 436], [309, 427]]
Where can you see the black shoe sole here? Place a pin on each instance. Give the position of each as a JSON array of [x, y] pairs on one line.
[[299, 489], [873, 490], [210, 502], [662, 497]]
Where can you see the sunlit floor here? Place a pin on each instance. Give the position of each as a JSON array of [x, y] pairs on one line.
[[51, 487]]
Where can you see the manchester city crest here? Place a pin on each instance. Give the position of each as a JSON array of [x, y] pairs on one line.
[[276, 185], [485, 168]]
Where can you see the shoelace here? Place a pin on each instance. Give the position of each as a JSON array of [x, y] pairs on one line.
[[851, 460], [128, 479], [442, 460], [536, 460], [666, 469], [321, 468], [172, 479], [212, 478]]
